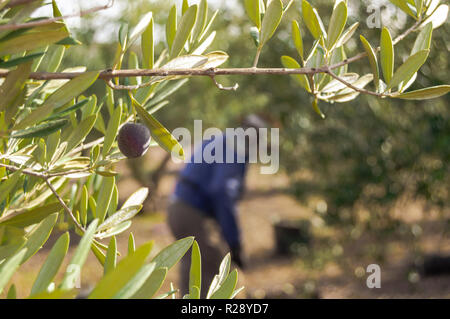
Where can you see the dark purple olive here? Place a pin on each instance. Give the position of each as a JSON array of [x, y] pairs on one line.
[[133, 140]]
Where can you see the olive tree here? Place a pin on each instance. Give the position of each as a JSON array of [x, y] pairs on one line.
[[53, 171]]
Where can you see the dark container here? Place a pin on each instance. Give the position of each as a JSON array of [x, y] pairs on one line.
[[290, 234]]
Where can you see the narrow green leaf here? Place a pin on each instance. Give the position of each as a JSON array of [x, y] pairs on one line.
[[424, 94], [423, 40], [104, 197], [159, 133], [111, 131], [195, 275], [13, 62], [402, 4], [114, 280], [184, 6], [13, 86], [131, 244], [123, 36], [31, 40], [225, 291], [302, 79], [137, 198], [419, 7], [200, 23], [135, 283], [81, 132], [407, 70], [51, 265], [60, 97], [194, 293], [39, 235], [316, 108], [55, 59], [171, 26], [9, 267], [209, 25], [140, 28], [68, 41], [73, 270], [148, 46], [347, 35], [6, 187], [312, 20], [372, 60], [337, 24], [184, 31], [69, 110], [84, 205], [12, 293], [57, 294], [253, 12], [57, 13], [41, 130], [114, 230], [271, 20], [151, 285], [297, 37], [26, 217], [387, 55], [170, 255], [111, 256], [219, 279]]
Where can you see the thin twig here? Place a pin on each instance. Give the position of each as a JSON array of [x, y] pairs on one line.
[[24, 171], [258, 53], [357, 89], [46, 178], [66, 208], [16, 26]]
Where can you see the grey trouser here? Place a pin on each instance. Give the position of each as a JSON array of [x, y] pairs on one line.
[[184, 221]]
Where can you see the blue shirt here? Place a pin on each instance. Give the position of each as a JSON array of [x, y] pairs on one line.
[[214, 188]]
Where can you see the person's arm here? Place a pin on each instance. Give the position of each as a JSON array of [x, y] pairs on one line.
[[224, 192]]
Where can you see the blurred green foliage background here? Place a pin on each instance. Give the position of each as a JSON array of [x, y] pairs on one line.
[[368, 151]]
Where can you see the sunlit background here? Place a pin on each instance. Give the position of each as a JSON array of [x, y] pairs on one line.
[[371, 181]]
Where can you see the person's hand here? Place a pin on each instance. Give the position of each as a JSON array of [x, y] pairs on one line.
[[238, 257]]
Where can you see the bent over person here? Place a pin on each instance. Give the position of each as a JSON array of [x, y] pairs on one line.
[[204, 206]]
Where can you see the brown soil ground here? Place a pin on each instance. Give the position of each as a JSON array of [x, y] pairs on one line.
[[333, 266]]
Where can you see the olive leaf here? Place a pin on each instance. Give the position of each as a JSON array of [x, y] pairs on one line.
[[387, 55], [60, 97], [40, 130], [302, 79], [147, 44], [253, 12], [271, 20], [117, 278], [372, 60], [184, 31], [51, 265], [337, 24], [161, 135], [424, 94], [312, 20], [407, 70], [297, 37]]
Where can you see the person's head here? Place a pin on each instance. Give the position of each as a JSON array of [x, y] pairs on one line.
[[252, 122]]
